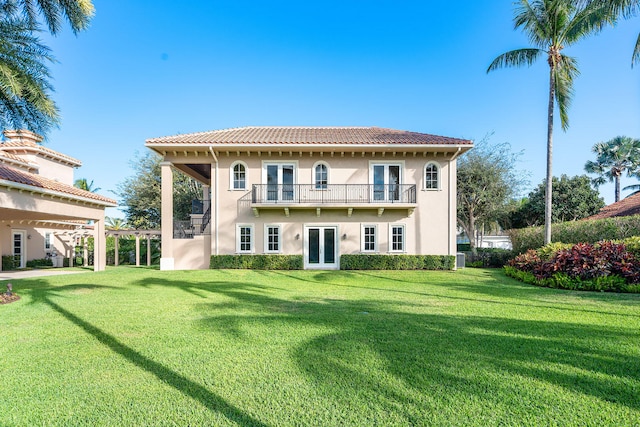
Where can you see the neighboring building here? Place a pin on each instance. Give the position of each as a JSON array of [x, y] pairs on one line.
[[626, 207], [316, 191], [41, 213]]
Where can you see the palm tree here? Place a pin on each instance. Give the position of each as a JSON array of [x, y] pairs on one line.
[[54, 12], [613, 158], [552, 25], [85, 185], [115, 223], [24, 78]]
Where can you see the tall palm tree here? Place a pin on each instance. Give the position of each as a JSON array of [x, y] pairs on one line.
[[624, 9], [552, 25], [115, 223], [613, 158], [54, 12], [85, 185], [25, 90]]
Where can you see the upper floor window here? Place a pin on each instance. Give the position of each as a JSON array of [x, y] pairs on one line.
[[431, 176], [321, 176], [238, 176]]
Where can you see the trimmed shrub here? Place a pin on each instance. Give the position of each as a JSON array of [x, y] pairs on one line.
[[43, 262], [604, 266], [488, 257], [9, 262], [584, 231], [396, 262], [463, 247], [257, 262]]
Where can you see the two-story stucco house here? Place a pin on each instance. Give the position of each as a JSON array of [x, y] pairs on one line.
[[41, 213], [316, 191]]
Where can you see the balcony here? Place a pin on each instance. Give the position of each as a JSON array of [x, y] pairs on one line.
[[331, 196]]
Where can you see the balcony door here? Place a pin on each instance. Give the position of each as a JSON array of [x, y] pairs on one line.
[[321, 247], [386, 180], [280, 179]]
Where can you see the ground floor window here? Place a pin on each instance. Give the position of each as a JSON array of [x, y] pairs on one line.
[[396, 238], [272, 238], [48, 242], [369, 238], [244, 238]]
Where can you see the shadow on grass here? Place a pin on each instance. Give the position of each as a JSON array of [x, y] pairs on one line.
[[44, 293], [428, 351]]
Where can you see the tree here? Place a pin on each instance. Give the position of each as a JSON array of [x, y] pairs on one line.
[[25, 90], [141, 193], [487, 180], [115, 223], [624, 9], [83, 184], [573, 198], [613, 158], [77, 12], [552, 25]]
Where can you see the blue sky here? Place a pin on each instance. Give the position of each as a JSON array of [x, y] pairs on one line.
[[153, 68]]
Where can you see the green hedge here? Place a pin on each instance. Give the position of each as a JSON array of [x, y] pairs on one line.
[[257, 262], [397, 262], [562, 281], [43, 262], [488, 257], [590, 231], [9, 262]]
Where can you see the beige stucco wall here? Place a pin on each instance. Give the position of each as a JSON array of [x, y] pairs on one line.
[[51, 169], [429, 229], [192, 254]]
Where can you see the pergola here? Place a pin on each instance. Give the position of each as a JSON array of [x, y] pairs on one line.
[[146, 234]]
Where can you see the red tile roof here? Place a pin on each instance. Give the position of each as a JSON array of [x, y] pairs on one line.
[[40, 183], [308, 136], [28, 145], [625, 207]]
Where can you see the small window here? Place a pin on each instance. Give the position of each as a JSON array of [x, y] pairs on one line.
[[239, 176], [321, 176], [245, 239], [431, 177], [396, 241], [48, 241], [369, 238], [272, 238]]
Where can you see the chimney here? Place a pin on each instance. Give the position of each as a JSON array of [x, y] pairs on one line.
[[22, 136]]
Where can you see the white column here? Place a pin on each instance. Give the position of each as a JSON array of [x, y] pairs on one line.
[[148, 250], [85, 251], [137, 250], [99, 245], [116, 259], [166, 214]]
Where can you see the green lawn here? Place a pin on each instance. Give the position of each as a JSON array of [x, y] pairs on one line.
[[130, 347]]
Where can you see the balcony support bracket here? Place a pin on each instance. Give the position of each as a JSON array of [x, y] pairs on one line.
[[256, 212], [380, 211]]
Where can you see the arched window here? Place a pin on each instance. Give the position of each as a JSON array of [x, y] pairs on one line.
[[431, 176], [239, 176], [321, 176]]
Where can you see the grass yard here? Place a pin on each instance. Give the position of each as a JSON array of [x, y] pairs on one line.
[[133, 347]]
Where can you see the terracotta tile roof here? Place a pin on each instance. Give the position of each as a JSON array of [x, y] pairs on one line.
[[28, 145], [308, 135], [12, 158], [20, 177], [625, 207]]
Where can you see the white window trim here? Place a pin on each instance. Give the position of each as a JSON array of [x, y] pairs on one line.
[[386, 162], [313, 175], [51, 246], [266, 238], [231, 176], [424, 177], [253, 238], [404, 238], [265, 163], [375, 242]]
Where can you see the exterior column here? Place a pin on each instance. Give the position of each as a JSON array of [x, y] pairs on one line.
[[148, 250], [85, 251], [99, 245], [137, 250], [116, 261], [166, 215]]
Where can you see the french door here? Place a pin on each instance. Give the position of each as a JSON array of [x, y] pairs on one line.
[[280, 180], [321, 247], [19, 251], [386, 182]]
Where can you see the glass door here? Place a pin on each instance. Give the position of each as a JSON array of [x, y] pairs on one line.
[[386, 182], [321, 248], [280, 182], [18, 248]]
